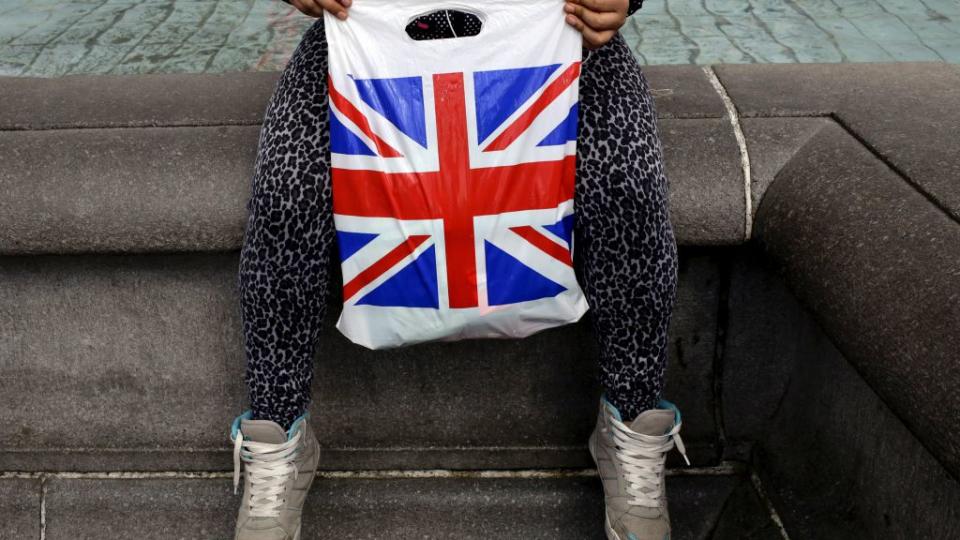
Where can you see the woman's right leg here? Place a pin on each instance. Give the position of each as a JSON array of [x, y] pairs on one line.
[[284, 263]]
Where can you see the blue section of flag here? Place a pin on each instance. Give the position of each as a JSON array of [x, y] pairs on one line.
[[566, 131], [351, 242], [413, 286], [501, 92], [343, 141], [563, 229], [400, 101], [509, 281]]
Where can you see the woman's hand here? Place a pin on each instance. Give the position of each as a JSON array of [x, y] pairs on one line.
[[597, 20], [315, 8]]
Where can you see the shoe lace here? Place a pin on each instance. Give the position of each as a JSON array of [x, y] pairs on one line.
[[642, 459], [268, 467]]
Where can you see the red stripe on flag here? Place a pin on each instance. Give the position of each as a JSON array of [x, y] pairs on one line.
[[544, 244], [357, 117], [520, 125], [454, 189], [378, 268], [430, 195]]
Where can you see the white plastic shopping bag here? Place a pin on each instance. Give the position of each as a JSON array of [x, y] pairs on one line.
[[453, 164]]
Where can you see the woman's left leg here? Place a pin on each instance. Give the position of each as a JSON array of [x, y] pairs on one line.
[[629, 272], [625, 243]]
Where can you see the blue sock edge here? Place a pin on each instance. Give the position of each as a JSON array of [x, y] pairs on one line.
[[662, 404], [248, 415]]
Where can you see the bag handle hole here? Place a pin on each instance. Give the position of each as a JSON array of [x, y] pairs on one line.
[[444, 24]]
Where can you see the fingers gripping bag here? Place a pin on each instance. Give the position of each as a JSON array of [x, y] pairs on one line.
[[453, 165]]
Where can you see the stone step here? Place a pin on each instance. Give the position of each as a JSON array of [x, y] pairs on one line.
[[551, 507], [133, 362]]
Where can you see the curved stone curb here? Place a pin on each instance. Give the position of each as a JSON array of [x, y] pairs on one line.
[[879, 266]]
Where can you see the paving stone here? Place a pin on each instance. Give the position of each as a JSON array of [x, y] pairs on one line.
[[905, 112], [135, 363], [665, 32], [745, 517], [19, 508], [838, 463], [660, 33], [479, 508], [879, 266], [707, 205]]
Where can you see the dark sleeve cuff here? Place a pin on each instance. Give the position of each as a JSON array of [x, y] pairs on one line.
[[634, 6]]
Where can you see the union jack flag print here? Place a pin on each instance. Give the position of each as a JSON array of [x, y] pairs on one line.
[[454, 191]]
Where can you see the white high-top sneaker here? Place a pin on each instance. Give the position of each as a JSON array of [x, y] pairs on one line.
[[279, 468], [630, 459]]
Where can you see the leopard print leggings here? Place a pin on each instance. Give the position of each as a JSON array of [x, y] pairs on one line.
[[626, 255]]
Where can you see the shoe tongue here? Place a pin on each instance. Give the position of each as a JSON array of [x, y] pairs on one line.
[[263, 431], [653, 422]]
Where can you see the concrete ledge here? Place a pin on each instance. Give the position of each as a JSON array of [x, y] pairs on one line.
[[707, 205], [185, 188], [879, 266], [683, 91], [173, 99], [105, 101], [163, 163], [125, 189], [766, 336]]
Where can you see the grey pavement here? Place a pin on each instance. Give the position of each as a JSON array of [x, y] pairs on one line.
[[61, 37]]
